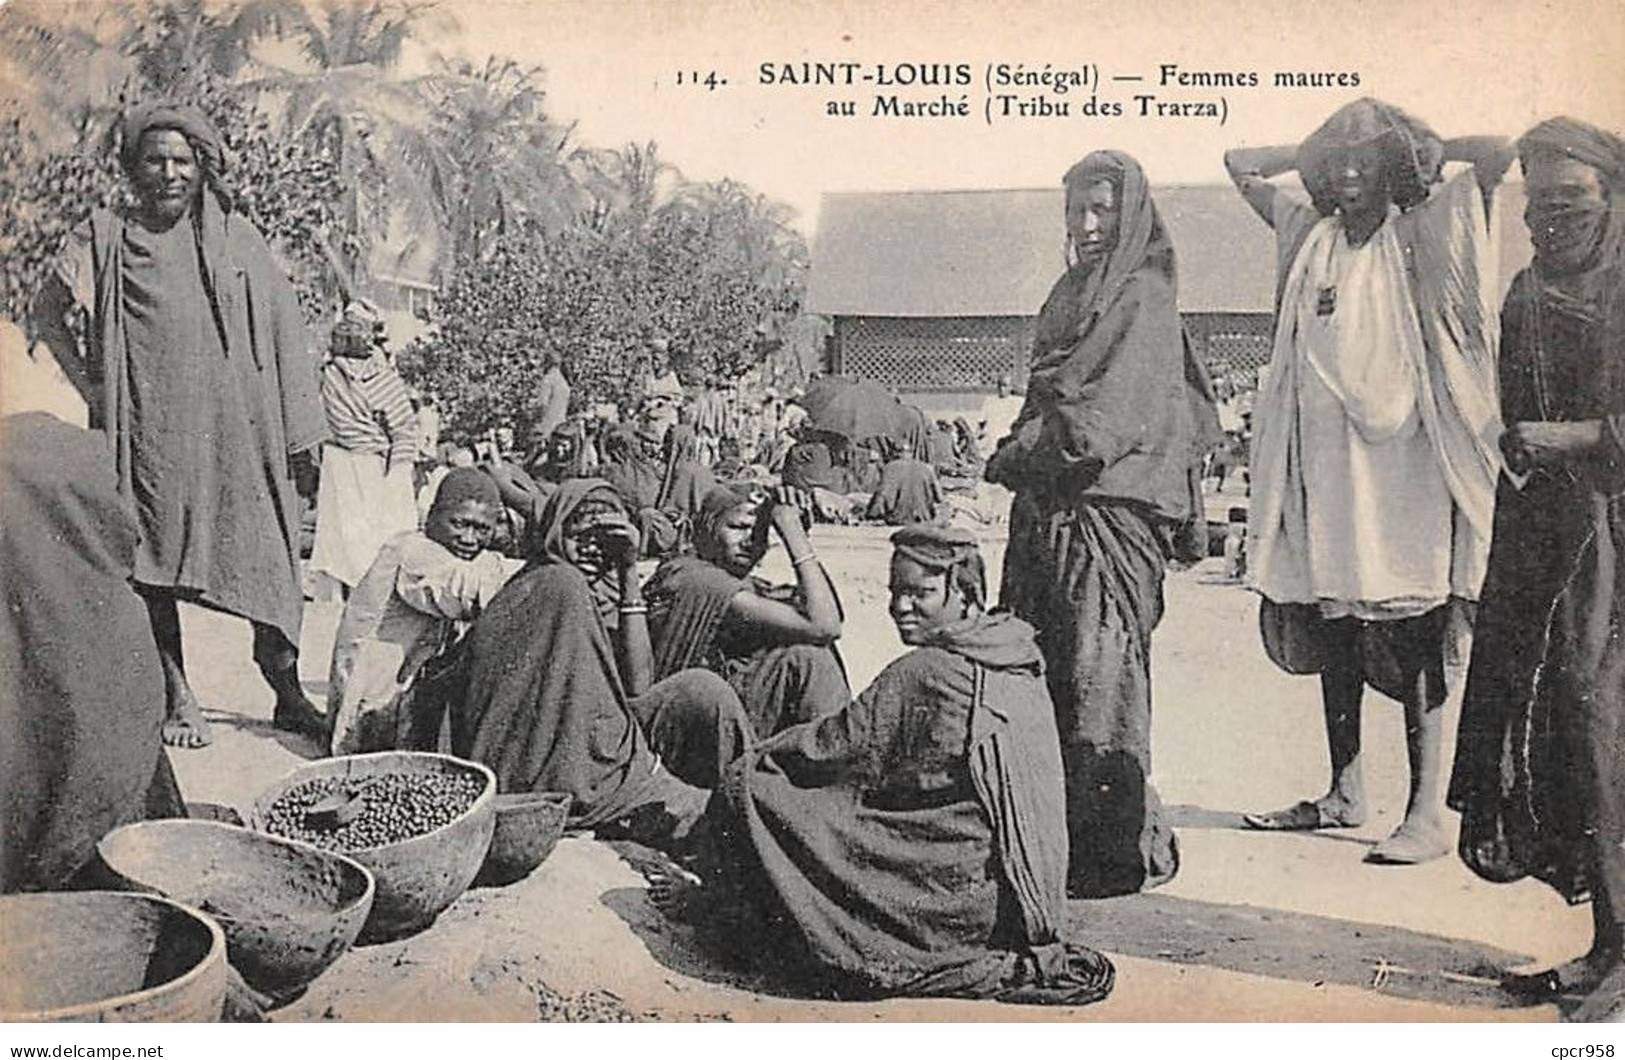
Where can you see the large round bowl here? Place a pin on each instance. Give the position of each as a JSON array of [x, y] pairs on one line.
[[529, 825], [417, 878], [108, 957], [288, 909]]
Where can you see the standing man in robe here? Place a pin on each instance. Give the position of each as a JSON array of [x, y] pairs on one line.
[[1540, 754], [205, 384], [1374, 477]]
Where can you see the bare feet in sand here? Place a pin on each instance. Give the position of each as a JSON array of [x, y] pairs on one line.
[[294, 711], [301, 716], [183, 722], [678, 894]]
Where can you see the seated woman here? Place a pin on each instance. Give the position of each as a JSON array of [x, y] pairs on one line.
[[908, 492], [659, 479], [402, 621], [81, 691], [557, 672], [915, 842], [775, 647]]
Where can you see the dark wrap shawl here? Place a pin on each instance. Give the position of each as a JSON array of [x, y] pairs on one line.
[[1118, 408], [81, 692], [546, 709], [1539, 773], [915, 843]]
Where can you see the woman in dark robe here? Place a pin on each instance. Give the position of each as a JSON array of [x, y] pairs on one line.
[[558, 672], [914, 843], [1101, 461], [1540, 754], [663, 492], [775, 645], [81, 686]]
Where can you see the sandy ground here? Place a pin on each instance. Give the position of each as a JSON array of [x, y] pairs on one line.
[[1255, 927]]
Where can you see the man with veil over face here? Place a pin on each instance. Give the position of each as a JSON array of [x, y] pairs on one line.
[[1373, 475], [202, 376], [1103, 462], [1540, 753]]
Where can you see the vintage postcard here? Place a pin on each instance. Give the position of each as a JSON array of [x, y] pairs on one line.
[[974, 511]]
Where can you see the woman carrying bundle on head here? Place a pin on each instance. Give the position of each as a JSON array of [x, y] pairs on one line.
[[775, 645]]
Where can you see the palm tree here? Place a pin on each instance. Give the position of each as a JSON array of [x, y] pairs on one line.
[[62, 67], [341, 93], [508, 162], [179, 43], [626, 185]]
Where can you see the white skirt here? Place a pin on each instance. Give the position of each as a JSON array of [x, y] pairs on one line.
[[358, 508]]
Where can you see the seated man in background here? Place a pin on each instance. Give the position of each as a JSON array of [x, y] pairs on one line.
[[908, 492], [913, 843], [402, 622]]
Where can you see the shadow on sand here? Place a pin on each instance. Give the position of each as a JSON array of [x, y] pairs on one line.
[[1274, 943]]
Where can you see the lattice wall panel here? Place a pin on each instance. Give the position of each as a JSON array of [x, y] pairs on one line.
[[934, 353], [1230, 352]]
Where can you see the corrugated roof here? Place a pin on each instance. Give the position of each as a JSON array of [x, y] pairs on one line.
[[997, 252]]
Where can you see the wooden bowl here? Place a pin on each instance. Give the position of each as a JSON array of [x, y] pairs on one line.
[[529, 824], [289, 909], [109, 957], [416, 878]]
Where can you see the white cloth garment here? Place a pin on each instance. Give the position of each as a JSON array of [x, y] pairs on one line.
[[1374, 462]]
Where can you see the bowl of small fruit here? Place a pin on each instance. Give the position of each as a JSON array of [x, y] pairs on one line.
[[421, 823]]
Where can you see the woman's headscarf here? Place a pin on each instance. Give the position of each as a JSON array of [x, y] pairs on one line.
[[1412, 153], [949, 550], [1142, 241], [1593, 292], [546, 541], [190, 122], [715, 507]]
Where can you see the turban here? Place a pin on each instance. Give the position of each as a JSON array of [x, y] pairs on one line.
[[1412, 159], [465, 484], [190, 122], [357, 332], [1595, 147], [948, 549]]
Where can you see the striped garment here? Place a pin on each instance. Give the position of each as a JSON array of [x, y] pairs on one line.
[[368, 408]]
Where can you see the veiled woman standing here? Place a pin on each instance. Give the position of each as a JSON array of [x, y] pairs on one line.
[[1101, 461]]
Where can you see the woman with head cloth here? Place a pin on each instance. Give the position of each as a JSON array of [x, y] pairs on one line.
[[1102, 461], [204, 382], [1374, 462], [560, 689], [1540, 753], [914, 842], [775, 645]]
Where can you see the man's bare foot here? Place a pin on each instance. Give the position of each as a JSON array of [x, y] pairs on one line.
[[183, 722], [678, 894], [298, 714]]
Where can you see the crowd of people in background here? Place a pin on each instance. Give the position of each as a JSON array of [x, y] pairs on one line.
[[586, 613]]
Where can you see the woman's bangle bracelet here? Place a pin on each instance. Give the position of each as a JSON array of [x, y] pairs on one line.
[[635, 609], [811, 557]]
